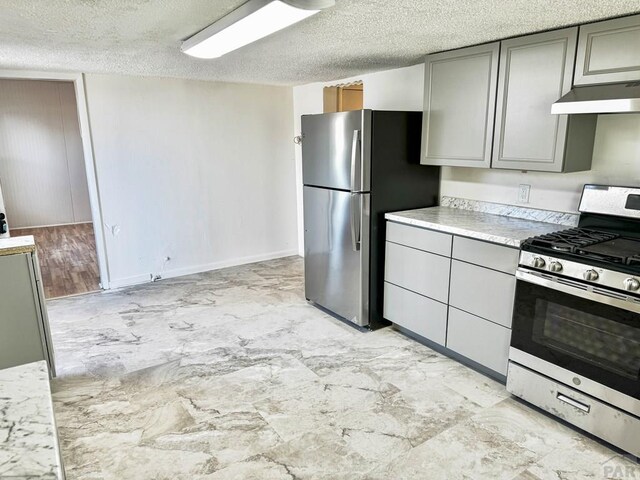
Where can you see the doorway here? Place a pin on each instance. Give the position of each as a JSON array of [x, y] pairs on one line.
[[343, 98], [44, 182]]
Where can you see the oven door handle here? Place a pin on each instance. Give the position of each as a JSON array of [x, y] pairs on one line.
[[566, 287]]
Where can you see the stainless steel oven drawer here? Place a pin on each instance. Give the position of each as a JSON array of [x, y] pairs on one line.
[[583, 411]]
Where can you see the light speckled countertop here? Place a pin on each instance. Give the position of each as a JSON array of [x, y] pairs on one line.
[[15, 245], [28, 439], [500, 229]]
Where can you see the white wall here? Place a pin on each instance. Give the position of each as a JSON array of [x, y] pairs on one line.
[[201, 172], [616, 160], [41, 159], [397, 89]]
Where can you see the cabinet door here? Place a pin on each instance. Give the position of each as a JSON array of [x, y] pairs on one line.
[[484, 342], [608, 52], [483, 292], [535, 71], [418, 271], [416, 313], [459, 104]]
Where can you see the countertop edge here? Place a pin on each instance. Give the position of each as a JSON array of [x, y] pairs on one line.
[[31, 384], [17, 245], [509, 242], [17, 250]]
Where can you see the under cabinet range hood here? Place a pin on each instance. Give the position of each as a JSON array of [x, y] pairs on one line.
[[613, 98]]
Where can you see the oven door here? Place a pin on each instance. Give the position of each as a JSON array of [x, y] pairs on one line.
[[584, 329]]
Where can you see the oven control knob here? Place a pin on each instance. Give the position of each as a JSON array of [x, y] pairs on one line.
[[590, 275], [555, 266], [631, 284], [538, 262]]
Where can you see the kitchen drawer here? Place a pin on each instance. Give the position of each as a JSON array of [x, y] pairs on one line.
[[418, 271], [479, 340], [416, 313], [483, 292], [416, 237], [486, 254], [583, 411]]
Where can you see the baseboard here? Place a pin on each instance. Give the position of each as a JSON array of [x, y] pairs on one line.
[[49, 226], [207, 267]]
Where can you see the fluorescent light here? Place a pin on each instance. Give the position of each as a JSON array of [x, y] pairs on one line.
[[254, 20]]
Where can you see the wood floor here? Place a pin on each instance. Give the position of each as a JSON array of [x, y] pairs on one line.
[[68, 259]]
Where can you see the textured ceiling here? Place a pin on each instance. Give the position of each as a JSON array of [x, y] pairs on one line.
[[142, 37]]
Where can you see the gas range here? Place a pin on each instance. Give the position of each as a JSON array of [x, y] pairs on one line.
[[575, 344], [598, 257], [604, 250]]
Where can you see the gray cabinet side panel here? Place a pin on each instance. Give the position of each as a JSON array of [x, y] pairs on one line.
[[20, 328], [41, 303]]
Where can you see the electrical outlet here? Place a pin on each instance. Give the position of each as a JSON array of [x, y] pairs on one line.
[[523, 193]]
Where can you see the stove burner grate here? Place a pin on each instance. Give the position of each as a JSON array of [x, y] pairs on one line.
[[571, 240]]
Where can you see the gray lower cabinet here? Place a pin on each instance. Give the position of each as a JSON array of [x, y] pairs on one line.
[[483, 292], [421, 272], [459, 104], [24, 327], [480, 340], [420, 238], [608, 52], [485, 254], [421, 315], [535, 71], [460, 298]]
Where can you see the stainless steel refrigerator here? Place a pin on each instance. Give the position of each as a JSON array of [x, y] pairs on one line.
[[356, 166]]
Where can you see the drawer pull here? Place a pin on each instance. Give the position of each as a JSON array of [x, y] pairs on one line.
[[573, 403]]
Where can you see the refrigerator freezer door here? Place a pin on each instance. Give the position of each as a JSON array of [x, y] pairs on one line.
[[335, 152], [336, 239]]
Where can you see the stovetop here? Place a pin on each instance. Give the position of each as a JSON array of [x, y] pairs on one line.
[[598, 247]]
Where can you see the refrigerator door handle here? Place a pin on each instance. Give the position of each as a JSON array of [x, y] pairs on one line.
[[356, 162], [355, 210]]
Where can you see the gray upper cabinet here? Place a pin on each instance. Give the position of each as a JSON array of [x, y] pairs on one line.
[[535, 71], [609, 52], [459, 101]]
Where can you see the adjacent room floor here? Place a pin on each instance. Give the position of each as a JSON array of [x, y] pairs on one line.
[[68, 259], [232, 375]]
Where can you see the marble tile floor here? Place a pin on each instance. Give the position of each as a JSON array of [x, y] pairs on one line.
[[232, 375]]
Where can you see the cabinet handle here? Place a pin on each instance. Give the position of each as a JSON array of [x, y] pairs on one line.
[[573, 403]]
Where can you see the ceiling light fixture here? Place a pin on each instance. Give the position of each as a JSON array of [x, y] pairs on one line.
[[251, 21]]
